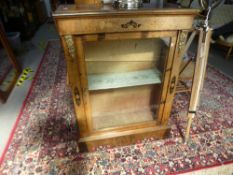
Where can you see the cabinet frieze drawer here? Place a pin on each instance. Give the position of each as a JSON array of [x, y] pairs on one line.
[[95, 25]]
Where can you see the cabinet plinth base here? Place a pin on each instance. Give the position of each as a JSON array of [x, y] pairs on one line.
[[122, 138]]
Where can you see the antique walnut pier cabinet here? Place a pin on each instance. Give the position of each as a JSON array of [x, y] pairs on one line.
[[122, 68]]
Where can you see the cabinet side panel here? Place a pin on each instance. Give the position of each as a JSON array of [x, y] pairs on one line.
[[166, 77], [173, 80], [74, 83], [80, 58]]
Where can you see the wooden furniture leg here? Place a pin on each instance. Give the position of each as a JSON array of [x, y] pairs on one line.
[[12, 59], [200, 68]]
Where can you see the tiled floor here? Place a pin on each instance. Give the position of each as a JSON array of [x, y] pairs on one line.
[[10, 110]]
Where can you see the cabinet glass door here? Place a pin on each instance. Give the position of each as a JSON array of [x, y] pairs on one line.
[[125, 79]]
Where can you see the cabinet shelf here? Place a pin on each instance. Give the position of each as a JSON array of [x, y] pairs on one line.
[[125, 79]]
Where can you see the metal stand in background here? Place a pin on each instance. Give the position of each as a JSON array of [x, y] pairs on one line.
[[200, 70]]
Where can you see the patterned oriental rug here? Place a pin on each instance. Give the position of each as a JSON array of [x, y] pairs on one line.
[[44, 139]]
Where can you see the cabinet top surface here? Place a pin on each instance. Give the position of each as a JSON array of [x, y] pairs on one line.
[[107, 9]]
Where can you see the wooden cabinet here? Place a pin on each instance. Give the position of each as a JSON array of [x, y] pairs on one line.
[[122, 67]]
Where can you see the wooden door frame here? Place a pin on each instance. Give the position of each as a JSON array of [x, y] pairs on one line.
[[169, 71], [4, 41]]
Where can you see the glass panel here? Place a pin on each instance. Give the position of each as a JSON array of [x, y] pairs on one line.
[[124, 80]]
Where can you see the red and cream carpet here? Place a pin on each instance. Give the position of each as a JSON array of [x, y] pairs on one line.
[[44, 139]]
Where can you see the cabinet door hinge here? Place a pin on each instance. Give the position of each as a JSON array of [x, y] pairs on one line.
[[163, 102], [172, 84], [77, 96], [168, 69]]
